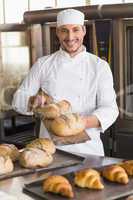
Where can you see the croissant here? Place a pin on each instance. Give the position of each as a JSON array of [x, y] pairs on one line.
[[88, 178], [59, 185], [43, 143], [128, 166], [115, 173]]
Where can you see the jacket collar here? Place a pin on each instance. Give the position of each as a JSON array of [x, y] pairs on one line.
[[67, 55]]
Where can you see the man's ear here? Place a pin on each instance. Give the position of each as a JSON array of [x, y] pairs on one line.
[[84, 29], [57, 31]]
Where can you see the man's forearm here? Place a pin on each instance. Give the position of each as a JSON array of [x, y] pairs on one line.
[[91, 121]]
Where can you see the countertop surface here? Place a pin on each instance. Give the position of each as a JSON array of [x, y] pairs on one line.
[[13, 187]]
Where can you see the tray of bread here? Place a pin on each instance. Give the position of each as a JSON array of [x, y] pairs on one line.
[[39, 155], [107, 183], [64, 126]]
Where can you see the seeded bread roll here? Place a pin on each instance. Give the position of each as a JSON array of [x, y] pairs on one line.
[[34, 157], [43, 143], [6, 165], [50, 111], [53, 110], [47, 124], [67, 125], [9, 150], [64, 106]]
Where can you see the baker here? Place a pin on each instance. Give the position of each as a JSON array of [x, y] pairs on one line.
[[73, 74]]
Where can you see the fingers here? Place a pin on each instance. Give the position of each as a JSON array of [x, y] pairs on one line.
[[30, 103], [39, 101], [84, 119], [36, 101], [43, 100]]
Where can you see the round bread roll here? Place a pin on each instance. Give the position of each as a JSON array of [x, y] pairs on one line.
[[34, 157], [47, 124], [53, 110], [64, 106], [9, 150], [67, 125], [43, 143], [50, 111], [6, 165]]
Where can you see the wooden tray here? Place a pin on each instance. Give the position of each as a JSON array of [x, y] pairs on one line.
[[61, 159], [65, 140], [62, 140], [74, 139], [110, 192]]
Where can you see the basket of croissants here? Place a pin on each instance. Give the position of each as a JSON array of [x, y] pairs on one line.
[[88, 178], [38, 153], [65, 127]]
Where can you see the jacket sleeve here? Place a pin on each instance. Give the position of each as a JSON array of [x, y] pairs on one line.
[[107, 109], [29, 87]]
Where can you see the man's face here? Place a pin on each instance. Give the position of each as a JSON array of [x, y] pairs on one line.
[[71, 37]]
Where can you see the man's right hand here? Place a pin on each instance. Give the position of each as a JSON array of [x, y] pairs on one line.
[[36, 101]]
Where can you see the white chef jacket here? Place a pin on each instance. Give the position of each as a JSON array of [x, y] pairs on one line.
[[85, 80]]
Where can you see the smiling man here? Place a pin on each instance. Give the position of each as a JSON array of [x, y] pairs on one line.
[[71, 38], [73, 74]]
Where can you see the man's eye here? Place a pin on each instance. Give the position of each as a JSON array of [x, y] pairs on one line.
[[64, 31], [76, 30]]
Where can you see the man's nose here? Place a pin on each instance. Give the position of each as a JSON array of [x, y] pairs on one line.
[[70, 35]]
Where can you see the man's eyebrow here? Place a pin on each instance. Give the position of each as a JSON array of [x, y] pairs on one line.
[[76, 27], [64, 29]]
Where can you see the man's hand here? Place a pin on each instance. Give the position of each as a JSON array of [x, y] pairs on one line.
[[36, 101], [91, 121]]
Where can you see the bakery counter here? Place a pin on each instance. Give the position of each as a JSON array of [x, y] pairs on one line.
[[12, 189]]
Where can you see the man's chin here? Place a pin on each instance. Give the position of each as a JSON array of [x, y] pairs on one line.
[[70, 50]]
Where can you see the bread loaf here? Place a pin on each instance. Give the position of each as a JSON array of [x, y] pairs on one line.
[[58, 185], [64, 106], [9, 150], [47, 124], [6, 165], [34, 157], [50, 111], [88, 178], [43, 143], [53, 110], [67, 125], [115, 173]]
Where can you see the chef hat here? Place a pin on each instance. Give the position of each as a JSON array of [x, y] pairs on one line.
[[70, 16]]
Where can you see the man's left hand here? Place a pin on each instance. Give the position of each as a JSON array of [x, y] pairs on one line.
[[91, 121]]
